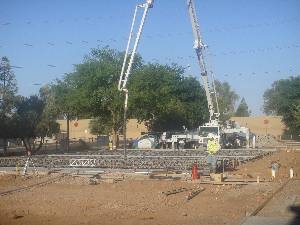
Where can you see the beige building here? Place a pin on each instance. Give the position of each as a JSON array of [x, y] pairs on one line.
[[79, 129], [135, 129], [260, 125]]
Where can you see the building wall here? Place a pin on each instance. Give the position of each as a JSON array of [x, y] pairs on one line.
[[257, 125], [262, 125], [79, 129], [135, 129]]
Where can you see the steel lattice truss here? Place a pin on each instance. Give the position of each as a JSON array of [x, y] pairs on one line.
[[137, 159]]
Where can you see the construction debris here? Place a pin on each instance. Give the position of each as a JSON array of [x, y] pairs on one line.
[[112, 178], [194, 193], [266, 141], [93, 181], [223, 183], [167, 175], [175, 191], [217, 177]]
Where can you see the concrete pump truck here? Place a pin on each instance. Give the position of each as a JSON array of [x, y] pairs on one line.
[[207, 135]]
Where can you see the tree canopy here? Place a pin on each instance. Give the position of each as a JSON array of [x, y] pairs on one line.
[[30, 121], [227, 99], [24, 118], [8, 89], [91, 90], [242, 110], [8, 98], [283, 99], [158, 94], [162, 96]]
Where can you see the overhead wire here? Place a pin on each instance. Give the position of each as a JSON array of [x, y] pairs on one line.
[[171, 35]]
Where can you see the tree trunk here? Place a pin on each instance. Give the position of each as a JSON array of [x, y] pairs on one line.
[[27, 145], [30, 146], [115, 140], [40, 145], [5, 146], [115, 137]]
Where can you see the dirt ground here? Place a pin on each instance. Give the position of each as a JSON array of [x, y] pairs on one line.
[[139, 199]]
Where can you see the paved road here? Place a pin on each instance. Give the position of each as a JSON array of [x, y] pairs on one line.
[[283, 209]]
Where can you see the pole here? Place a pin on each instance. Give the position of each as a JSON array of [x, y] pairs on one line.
[[68, 132], [125, 122], [124, 133]]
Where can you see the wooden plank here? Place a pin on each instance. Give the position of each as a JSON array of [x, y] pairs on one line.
[[243, 180], [223, 183], [175, 191], [194, 193]]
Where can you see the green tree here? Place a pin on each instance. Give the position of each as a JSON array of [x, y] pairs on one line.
[[8, 89], [165, 99], [91, 90], [227, 99], [283, 99], [99, 127], [47, 95], [31, 122], [62, 98], [242, 110]]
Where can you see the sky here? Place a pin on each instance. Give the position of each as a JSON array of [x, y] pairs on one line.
[[250, 44]]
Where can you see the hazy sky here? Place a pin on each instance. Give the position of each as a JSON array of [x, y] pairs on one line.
[[251, 43]]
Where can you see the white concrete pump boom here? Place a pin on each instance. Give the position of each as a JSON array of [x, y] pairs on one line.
[[124, 75], [199, 47]]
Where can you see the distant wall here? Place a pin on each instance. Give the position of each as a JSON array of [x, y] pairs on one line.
[[135, 129], [262, 125], [79, 129]]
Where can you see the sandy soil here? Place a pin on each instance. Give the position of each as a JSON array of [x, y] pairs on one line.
[[139, 199]]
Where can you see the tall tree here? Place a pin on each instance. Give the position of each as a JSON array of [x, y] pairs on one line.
[[8, 89], [64, 98], [165, 99], [283, 99], [92, 89], [47, 95], [97, 127], [30, 122], [227, 99], [242, 110]]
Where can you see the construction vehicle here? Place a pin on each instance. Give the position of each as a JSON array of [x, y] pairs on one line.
[[210, 130], [235, 136], [185, 139]]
